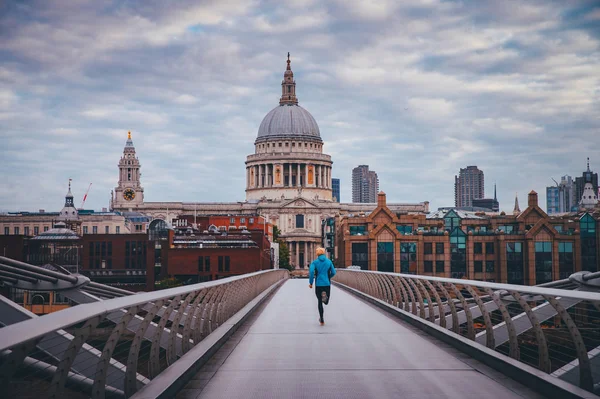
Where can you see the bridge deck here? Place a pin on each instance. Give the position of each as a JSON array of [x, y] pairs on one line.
[[361, 352]]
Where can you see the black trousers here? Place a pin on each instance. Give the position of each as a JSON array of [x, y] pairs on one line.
[[318, 290]]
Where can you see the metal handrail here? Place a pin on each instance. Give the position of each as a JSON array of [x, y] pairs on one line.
[[494, 314], [533, 290], [140, 335], [28, 330]]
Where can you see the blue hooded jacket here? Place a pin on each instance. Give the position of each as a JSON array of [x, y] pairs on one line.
[[324, 270]]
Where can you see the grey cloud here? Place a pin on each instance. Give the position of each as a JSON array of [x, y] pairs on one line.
[[415, 89]]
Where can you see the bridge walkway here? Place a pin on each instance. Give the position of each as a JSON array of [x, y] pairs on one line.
[[360, 352]]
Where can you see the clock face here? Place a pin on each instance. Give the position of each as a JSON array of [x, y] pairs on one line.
[[129, 194]]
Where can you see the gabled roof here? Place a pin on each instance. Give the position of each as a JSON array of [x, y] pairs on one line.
[[375, 232]]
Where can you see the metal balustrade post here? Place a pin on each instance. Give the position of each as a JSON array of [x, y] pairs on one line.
[[586, 380], [466, 309], [489, 327], [134, 350], [419, 298], [513, 342], [62, 371], [544, 358], [452, 305], [442, 313], [191, 321], [411, 294], [99, 388], [430, 308]]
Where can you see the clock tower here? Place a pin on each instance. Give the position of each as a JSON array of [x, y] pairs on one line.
[[129, 193]]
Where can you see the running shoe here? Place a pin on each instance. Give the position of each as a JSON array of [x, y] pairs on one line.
[[322, 321], [324, 297]]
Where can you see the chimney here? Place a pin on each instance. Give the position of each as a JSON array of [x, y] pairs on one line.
[[381, 199], [533, 199]]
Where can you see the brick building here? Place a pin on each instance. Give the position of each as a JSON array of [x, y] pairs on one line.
[[193, 256], [525, 248]]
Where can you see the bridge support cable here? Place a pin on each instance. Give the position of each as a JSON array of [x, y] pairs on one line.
[[552, 329], [114, 347]]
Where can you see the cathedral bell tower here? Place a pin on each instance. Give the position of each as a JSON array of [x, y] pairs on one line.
[[129, 193]]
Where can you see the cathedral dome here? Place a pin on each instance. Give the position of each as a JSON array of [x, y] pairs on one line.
[[288, 121]]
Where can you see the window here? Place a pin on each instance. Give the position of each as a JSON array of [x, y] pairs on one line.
[[451, 220], [458, 257], [558, 228], [489, 266], [127, 247], [439, 266], [200, 263], [220, 263], [94, 229], [91, 249], [587, 225], [106, 229], [242, 220], [26, 230], [404, 229], [439, 247], [6, 231], [514, 263], [385, 257], [251, 220], [509, 229], [118, 229], [428, 248], [109, 263], [543, 262], [16, 230], [231, 221], [109, 252], [85, 229], [565, 259], [299, 221], [46, 228], [227, 263], [408, 257], [478, 266], [207, 263], [97, 247], [103, 248], [428, 266], [478, 248], [36, 230], [360, 255], [489, 248], [358, 230]]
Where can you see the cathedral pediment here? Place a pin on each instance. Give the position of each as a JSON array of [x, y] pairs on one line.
[[300, 203]]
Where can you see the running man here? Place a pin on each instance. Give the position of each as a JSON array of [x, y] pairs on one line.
[[321, 268]]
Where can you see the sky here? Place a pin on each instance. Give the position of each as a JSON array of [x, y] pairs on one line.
[[416, 89]]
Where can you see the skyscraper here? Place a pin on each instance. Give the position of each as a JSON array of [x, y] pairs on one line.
[[365, 185], [469, 184], [335, 187], [561, 198]]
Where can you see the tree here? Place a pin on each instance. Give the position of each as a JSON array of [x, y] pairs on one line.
[[276, 233], [284, 255]]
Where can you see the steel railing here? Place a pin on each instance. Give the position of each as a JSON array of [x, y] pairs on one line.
[[128, 340], [554, 330]]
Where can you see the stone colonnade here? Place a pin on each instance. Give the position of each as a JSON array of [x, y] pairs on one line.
[[307, 248], [288, 175]]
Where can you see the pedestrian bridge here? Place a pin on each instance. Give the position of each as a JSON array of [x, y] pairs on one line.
[[258, 335]]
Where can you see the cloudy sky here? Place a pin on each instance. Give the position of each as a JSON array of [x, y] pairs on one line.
[[416, 89]]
